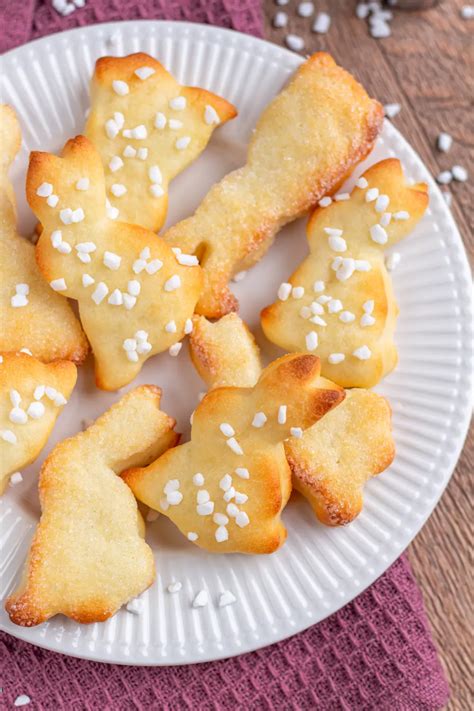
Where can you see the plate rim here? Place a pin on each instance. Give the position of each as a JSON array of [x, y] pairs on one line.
[[214, 34]]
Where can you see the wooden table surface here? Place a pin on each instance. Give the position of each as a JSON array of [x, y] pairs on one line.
[[427, 66]]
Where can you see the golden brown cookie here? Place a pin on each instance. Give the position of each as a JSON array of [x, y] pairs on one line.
[[31, 315], [340, 453], [305, 144], [332, 459], [87, 557], [147, 128], [32, 394], [136, 294], [339, 303], [226, 488], [225, 353]]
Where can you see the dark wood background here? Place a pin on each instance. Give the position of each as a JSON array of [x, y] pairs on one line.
[[427, 66]]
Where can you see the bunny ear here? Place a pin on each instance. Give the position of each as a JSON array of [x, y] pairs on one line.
[[110, 69], [336, 456], [225, 352], [294, 380], [150, 432], [80, 149], [289, 370], [215, 109], [381, 210], [73, 180]]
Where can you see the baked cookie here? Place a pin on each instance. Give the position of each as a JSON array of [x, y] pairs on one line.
[[225, 353], [87, 557], [147, 128], [339, 303], [32, 394], [226, 488], [136, 294], [31, 315], [332, 459], [305, 144], [340, 453]]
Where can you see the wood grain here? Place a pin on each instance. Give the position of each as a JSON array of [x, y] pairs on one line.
[[427, 65]]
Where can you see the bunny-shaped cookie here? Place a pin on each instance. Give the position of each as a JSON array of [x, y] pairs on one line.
[[225, 352], [31, 315], [136, 294], [147, 128], [88, 556], [339, 303], [306, 142], [32, 394], [226, 488], [332, 460]]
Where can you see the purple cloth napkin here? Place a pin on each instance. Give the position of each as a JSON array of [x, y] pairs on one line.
[[375, 653], [24, 20]]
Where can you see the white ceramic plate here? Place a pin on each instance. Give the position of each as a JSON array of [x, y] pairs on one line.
[[318, 570]]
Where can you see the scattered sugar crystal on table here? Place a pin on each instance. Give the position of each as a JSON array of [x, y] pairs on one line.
[[444, 142], [294, 42], [391, 110], [380, 30], [444, 177], [305, 9], [280, 19], [322, 23], [378, 18], [459, 173]]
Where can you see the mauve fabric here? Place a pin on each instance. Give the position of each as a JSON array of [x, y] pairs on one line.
[[24, 20], [376, 653]]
